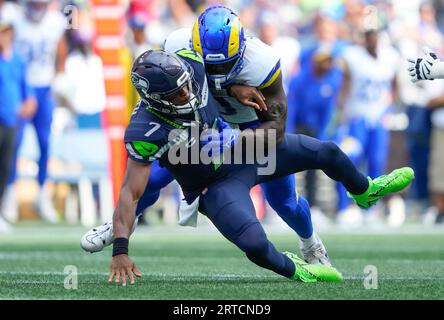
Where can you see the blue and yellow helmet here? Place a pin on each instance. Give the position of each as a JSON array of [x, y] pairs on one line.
[[219, 37]]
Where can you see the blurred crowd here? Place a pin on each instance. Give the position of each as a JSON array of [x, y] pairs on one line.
[[344, 68]]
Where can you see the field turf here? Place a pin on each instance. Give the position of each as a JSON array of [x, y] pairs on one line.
[[199, 264]]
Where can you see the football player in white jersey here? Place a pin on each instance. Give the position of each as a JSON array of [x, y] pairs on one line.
[[40, 40], [430, 67], [368, 91]]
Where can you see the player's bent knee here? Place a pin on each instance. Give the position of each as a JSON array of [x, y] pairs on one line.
[[329, 153]]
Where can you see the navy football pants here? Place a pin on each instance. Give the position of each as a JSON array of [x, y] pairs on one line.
[[228, 205], [280, 194]]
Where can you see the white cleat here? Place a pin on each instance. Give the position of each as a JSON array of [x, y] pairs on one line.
[[430, 216], [397, 210], [316, 253], [351, 217], [5, 227], [9, 205], [97, 238], [372, 219], [45, 207]]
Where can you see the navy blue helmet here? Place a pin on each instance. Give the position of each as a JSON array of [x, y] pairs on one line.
[[165, 82]]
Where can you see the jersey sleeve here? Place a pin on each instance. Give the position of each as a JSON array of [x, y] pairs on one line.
[[271, 76], [261, 64], [145, 143]]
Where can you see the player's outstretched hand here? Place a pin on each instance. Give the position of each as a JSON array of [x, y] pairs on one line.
[[121, 267], [249, 96], [427, 67]]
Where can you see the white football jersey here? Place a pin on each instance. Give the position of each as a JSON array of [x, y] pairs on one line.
[[260, 69], [370, 83], [37, 43]]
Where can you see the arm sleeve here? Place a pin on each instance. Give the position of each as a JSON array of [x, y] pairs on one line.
[[144, 143], [142, 151]]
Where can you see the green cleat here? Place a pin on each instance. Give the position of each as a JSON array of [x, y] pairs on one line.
[[313, 272], [395, 181]]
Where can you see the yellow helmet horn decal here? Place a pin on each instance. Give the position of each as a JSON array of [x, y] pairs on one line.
[[196, 38], [233, 44]]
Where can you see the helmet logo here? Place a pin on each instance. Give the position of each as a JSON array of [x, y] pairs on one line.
[[139, 82]]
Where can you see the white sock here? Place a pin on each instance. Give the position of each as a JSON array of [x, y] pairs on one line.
[[310, 241]]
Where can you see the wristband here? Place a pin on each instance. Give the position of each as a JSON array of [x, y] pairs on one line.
[[120, 246]]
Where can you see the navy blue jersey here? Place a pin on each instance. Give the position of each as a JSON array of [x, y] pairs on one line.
[[152, 135]]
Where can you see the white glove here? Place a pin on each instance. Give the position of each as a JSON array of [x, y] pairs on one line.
[[428, 67]]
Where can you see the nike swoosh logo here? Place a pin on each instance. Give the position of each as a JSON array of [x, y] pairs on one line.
[[376, 193], [97, 235], [149, 150]]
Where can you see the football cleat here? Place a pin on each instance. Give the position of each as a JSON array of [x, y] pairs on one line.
[[9, 205], [313, 272], [100, 237], [45, 207], [5, 227], [395, 181], [316, 253]]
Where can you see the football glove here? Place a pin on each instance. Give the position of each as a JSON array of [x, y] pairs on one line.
[[428, 67], [220, 139]]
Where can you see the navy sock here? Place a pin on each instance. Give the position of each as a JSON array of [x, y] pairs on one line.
[[261, 251]]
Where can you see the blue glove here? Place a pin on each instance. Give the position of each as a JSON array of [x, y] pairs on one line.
[[218, 140]]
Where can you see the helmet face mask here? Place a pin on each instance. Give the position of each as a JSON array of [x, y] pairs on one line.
[[177, 93], [219, 37], [183, 100], [224, 72]]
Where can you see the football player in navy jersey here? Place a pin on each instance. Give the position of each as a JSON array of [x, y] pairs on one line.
[[239, 69], [243, 73], [175, 101]]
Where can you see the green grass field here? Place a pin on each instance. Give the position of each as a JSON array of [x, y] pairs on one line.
[[199, 264]]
